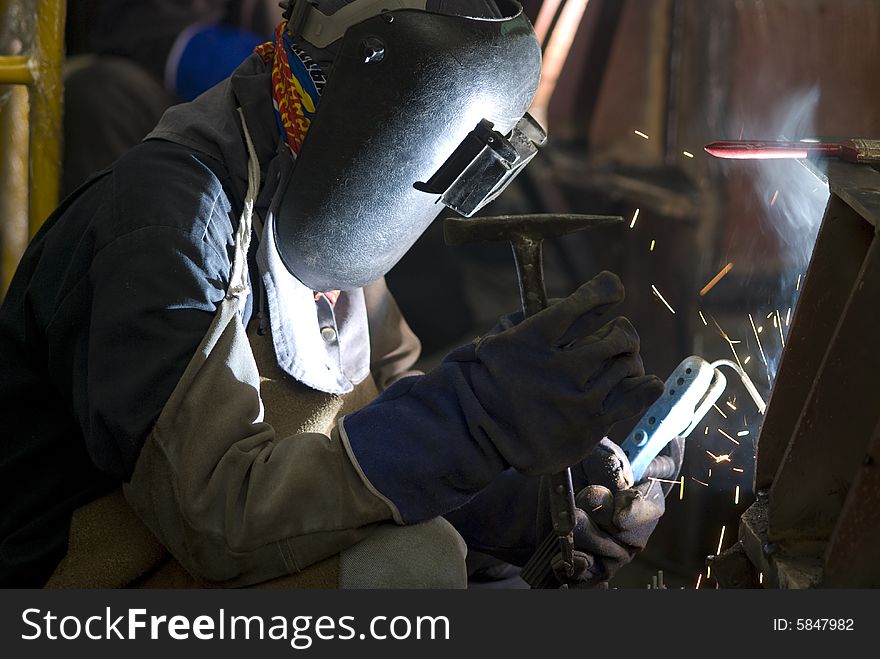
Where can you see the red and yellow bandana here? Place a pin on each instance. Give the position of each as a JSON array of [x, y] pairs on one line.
[[297, 82]]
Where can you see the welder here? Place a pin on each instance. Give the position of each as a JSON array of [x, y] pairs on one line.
[[206, 381]]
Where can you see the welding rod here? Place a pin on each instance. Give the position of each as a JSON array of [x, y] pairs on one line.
[[858, 150]]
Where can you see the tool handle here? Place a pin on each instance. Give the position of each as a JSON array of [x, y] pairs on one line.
[[689, 392], [865, 150], [538, 572], [662, 467], [527, 254], [562, 514]]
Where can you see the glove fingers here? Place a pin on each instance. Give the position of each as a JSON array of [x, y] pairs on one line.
[[615, 337], [607, 465], [597, 502], [586, 325], [631, 396], [607, 547], [604, 358], [636, 515], [612, 373], [554, 322], [613, 539], [586, 573]]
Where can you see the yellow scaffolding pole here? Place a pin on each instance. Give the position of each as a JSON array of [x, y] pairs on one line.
[[40, 72]]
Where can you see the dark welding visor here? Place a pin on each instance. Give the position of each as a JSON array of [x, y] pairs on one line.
[[400, 107]]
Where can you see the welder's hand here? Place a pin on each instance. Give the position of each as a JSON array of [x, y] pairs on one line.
[[531, 399], [554, 384], [612, 527], [608, 466], [614, 517]]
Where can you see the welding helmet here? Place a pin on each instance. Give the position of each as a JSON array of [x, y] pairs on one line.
[[423, 107]]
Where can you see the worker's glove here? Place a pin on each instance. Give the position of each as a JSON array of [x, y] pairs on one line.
[[536, 396], [615, 518], [553, 384]]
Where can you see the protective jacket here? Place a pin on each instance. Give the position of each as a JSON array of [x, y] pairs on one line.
[[115, 335], [111, 302]]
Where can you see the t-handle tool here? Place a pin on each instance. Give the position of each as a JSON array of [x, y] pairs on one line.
[[526, 234]]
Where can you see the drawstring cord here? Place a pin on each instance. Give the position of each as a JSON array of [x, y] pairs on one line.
[[238, 284]]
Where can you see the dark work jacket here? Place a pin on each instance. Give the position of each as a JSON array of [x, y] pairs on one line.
[[60, 370], [145, 246]]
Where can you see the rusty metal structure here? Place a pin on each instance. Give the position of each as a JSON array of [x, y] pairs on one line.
[[30, 120], [816, 520]]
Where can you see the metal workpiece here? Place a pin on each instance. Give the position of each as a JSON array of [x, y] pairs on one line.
[[786, 566], [838, 417], [816, 521], [815, 319], [733, 569], [851, 559]]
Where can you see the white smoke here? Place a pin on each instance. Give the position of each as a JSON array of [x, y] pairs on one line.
[[794, 194]]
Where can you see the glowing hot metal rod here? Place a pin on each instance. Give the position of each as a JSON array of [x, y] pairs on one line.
[[859, 150]]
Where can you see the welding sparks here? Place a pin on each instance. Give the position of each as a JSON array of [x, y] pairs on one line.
[[788, 318], [719, 410], [730, 405], [720, 540], [758, 339], [760, 577], [700, 482], [635, 217], [774, 319], [699, 579], [728, 437], [662, 299], [747, 359], [730, 342], [742, 433], [641, 134], [706, 432], [708, 287], [718, 458], [760, 328], [660, 480], [652, 246], [736, 496], [597, 507], [798, 286], [688, 154], [681, 490], [738, 470], [775, 195], [778, 323], [703, 318]]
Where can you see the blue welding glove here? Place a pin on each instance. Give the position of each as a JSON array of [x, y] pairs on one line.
[[536, 396], [615, 517], [557, 381]]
